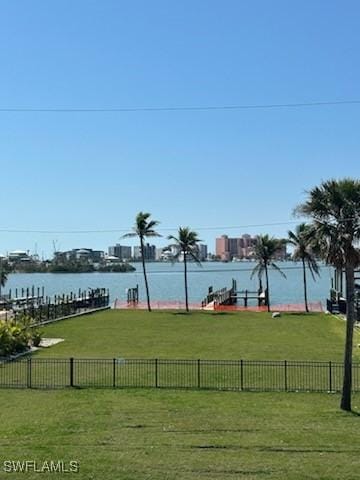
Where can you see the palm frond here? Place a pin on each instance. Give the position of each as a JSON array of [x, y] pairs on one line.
[[152, 233], [195, 258], [143, 228], [275, 267], [171, 237], [175, 258], [259, 270], [313, 267], [129, 235]]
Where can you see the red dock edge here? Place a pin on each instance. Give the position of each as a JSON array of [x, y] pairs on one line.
[[179, 305]]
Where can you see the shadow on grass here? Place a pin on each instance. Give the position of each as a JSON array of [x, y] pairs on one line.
[[221, 313], [196, 312]]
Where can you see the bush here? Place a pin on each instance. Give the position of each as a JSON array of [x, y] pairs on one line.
[[17, 336], [36, 339]]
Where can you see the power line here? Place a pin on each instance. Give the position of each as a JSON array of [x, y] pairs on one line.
[[177, 108], [161, 229]]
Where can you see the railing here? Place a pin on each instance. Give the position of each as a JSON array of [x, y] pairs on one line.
[[240, 375], [223, 296], [65, 306]]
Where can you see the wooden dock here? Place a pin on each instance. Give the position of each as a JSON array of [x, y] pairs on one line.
[[43, 309], [231, 296]]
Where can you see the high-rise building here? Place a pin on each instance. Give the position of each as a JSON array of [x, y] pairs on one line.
[[202, 252], [233, 244], [222, 248], [120, 251], [238, 247], [149, 252]]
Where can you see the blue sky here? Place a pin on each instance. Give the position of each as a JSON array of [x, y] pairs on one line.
[[82, 171]]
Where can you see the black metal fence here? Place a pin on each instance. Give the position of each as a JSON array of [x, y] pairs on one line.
[[240, 375]]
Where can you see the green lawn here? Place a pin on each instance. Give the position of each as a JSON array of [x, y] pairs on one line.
[[159, 434], [205, 335], [177, 435]]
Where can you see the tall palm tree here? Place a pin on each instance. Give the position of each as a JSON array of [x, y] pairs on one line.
[[187, 240], [265, 252], [3, 274], [302, 240], [334, 207], [144, 228]]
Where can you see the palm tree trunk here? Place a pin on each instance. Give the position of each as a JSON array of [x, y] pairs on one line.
[[267, 288], [305, 286], [350, 316], [1, 276], [186, 283], [145, 277]]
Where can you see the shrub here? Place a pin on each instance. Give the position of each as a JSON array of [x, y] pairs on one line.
[[17, 336], [36, 338]]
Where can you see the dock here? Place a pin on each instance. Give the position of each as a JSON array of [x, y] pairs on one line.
[[42, 308], [228, 296]]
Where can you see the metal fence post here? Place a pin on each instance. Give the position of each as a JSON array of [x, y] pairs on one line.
[[241, 374], [71, 372], [285, 376], [330, 376], [114, 372], [156, 373], [29, 373], [198, 374]]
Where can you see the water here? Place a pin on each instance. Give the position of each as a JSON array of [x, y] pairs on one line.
[[166, 281]]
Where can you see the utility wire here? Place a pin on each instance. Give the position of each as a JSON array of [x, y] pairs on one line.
[[161, 229], [177, 108], [122, 230]]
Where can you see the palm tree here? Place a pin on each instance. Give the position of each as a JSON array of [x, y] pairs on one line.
[[334, 207], [187, 240], [143, 228], [265, 252], [303, 242], [3, 275]]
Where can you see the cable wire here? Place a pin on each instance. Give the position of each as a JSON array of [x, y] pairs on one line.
[[161, 229], [177, 108]]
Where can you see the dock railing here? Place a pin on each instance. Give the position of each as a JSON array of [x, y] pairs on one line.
[[63, 305]]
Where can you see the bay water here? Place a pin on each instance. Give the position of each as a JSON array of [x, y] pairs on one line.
[[166, 281]]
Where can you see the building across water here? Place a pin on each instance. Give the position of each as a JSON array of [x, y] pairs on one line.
[[240, 248], [120, 251], [149, 252]]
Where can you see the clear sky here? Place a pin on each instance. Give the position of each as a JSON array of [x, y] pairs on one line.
[[95, 171]]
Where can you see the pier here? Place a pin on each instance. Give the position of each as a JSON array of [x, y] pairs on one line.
[[43, 309], [132, 295], [231, 296]]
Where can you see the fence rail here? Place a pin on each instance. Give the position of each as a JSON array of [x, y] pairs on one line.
[[240, 375]]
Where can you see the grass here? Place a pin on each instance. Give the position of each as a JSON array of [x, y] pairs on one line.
[[205, 335], [186, 435], [158, 435]]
